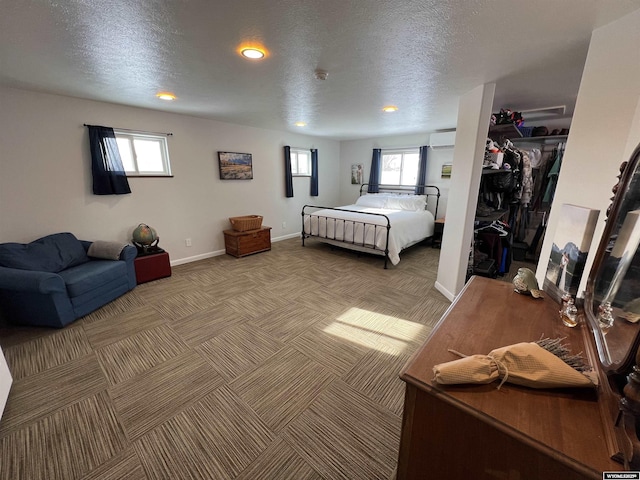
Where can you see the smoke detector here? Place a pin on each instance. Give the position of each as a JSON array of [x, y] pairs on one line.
[[321, 75]]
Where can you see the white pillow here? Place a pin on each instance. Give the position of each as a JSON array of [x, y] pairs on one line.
[[407, 202], [372, 200]]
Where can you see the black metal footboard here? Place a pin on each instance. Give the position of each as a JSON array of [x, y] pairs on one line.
[[356, 241]]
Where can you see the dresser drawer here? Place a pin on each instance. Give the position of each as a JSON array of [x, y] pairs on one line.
[[240, 244]]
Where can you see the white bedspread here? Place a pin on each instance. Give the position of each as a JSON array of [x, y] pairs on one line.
[[407, 227]]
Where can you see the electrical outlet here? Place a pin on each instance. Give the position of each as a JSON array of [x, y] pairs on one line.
[[284, 225], [187, 242]]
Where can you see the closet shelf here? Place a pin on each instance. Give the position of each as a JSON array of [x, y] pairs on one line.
[[542, 139], [497, 215], [505, 130]]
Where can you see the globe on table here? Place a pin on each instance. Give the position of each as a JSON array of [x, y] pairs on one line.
[[146, 239]]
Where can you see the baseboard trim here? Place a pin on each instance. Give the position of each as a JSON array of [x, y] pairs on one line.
[[450, 296], [203, 256]]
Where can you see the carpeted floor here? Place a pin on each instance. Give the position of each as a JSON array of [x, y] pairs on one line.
[[280, 365]]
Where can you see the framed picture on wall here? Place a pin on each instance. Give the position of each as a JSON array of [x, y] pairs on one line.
[[446, 170], [357, 172], [235, 166]]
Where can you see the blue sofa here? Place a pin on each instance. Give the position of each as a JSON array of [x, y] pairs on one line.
[[57, 279]]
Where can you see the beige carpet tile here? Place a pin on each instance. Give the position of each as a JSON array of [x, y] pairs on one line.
[[256, 303], [292, 286], [157, 290], [138, 353], [147, 400], [127, 302], [265, 277], [208, 278], [402, 336], [354, 284], [64, 445], [361, 326], [345, 435], [429, 310], [239, 349], [47, 351], [199, 327], [121, 326], [11, 335], [282, 387], [236, 285], [288, 322], [288, 259], [391, 298], [38, 395], [178, 306], [322, 273], [336, 353], [325, 300], [279, 461], [377, 375], [124, 466], [215, 438], [412, 284]]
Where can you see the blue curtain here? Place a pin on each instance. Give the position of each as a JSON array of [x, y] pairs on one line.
[[109, 177], [422, 170], [314, 172], [374, 174], [288, 177]]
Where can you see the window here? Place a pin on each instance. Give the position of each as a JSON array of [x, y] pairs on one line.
[[400, 167], [143, 154], [300, 163]]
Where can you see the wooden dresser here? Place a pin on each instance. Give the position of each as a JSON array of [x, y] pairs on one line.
[[244, 243], [515, 433]]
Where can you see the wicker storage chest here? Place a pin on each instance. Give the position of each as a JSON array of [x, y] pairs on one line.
[[240, 244]]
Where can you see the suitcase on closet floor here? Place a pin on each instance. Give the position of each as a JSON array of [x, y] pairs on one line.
[[486, 268]]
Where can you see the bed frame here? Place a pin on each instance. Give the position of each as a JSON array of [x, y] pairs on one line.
[[429, 191]]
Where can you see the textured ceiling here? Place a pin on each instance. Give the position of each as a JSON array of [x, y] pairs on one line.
[[420, 55]]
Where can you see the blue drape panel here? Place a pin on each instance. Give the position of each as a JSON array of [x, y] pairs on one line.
[[109, 177], [374, 174], [288, 177], [422, 170], [314, 172]]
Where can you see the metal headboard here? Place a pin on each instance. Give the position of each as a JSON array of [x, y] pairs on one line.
[[405, 190]]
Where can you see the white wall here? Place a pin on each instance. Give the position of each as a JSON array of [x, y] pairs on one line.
[[474, 113], [360, 151], [45, 181], [5, 382], [605, 127]]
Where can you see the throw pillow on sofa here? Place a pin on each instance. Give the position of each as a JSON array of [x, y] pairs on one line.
[[52, 253]]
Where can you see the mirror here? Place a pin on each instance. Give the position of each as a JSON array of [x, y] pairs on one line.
[[612, 299]]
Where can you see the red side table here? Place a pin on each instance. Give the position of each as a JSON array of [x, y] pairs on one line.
[[152, 267]]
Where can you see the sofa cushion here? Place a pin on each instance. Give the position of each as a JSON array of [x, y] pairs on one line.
[[92, 275], [52, 253]]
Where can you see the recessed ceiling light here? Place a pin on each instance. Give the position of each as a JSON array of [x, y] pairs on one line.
[[389, 108], [252, 53], [301, 124], [166, 96]]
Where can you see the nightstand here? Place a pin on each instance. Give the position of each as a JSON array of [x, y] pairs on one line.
[[438, 229], [152, 267]]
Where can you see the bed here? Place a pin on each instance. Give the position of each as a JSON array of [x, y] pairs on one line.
[[383, 223]]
